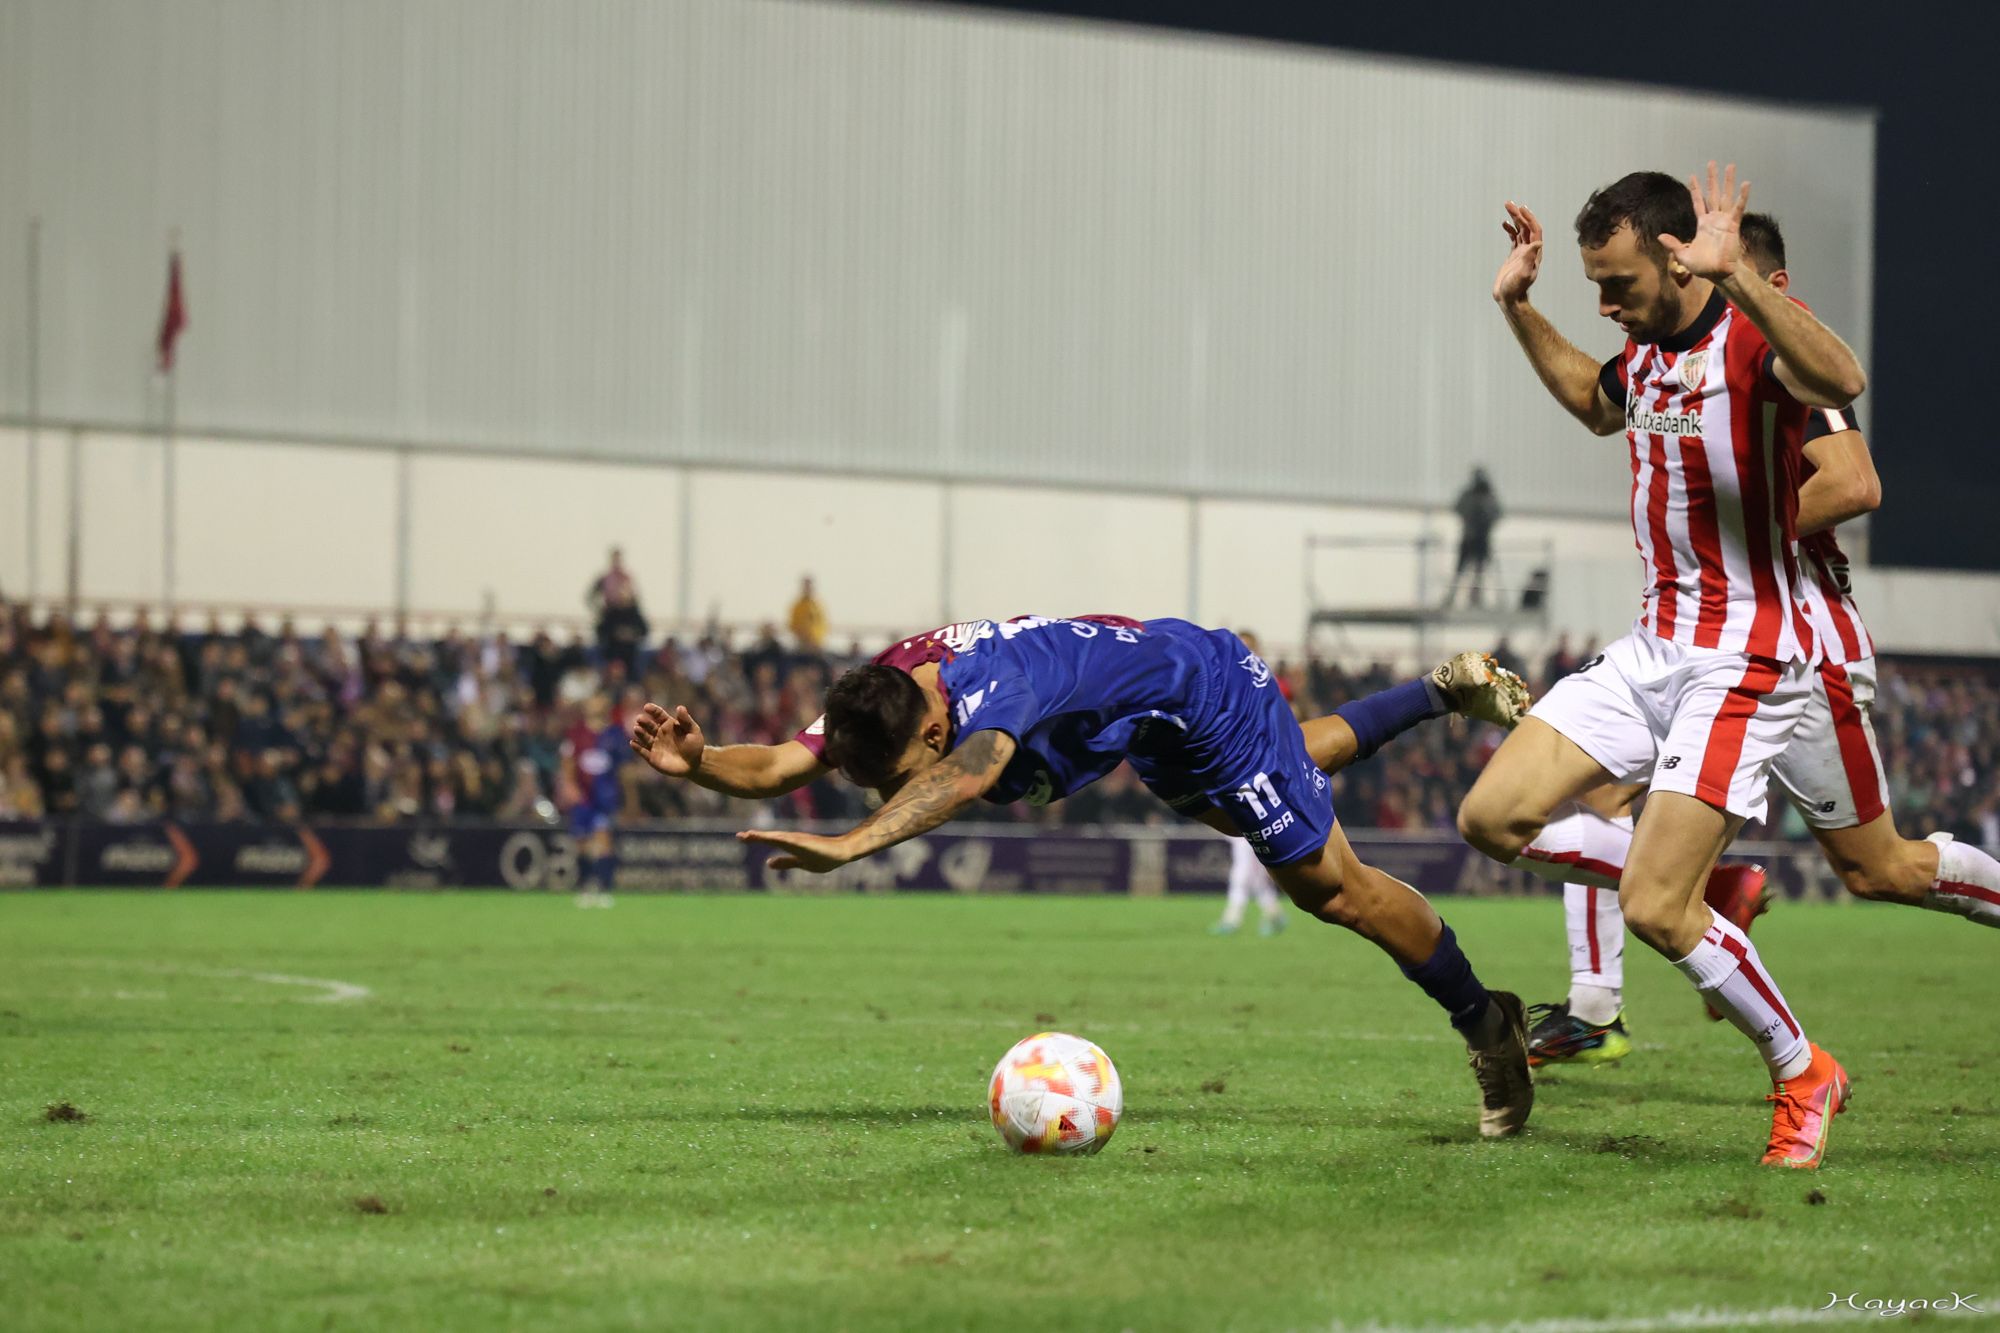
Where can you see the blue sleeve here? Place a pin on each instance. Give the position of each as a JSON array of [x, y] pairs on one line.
[[993, 696]]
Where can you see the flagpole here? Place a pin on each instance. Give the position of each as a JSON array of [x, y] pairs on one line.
[[167, 446], [73, 554], [34, 312], [167, 503]]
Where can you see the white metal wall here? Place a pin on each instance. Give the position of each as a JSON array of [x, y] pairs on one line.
[[838, 236], [281, 525]]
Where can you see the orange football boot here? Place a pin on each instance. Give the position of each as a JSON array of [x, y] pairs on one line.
[[1804, 1108]]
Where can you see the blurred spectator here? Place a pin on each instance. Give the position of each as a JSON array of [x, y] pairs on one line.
[[524, 801], [270, 794], [58, 782], [20, 798], [161, 722], [97, 783], [808, 619], [621, 626], [613, 583], [1478, 509], [621, 633], [1562, 661]]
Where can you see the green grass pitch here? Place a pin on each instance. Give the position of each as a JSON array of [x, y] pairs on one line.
[[714, 1113]]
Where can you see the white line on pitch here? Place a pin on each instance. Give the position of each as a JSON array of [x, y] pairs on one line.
[[337, 992], [1671, 1322]]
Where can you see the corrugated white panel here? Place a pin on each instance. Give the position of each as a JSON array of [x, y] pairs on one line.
[[16, 58], [18, 521], [789, 234]]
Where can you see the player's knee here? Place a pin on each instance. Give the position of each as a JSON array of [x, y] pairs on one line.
[[1657, 917], [1332, 906], [1314, 886], [1339, 911], [1493, 824]]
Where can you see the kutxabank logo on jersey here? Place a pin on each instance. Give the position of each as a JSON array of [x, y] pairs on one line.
[[1643, 421]]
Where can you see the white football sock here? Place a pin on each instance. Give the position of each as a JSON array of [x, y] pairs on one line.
[[1967, 883], [1270, 901], [1579, 846], [1244, 868], [1597, 941], [1596, 952], [1725, 968]]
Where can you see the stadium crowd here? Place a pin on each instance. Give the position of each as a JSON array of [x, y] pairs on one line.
[[145, 722]]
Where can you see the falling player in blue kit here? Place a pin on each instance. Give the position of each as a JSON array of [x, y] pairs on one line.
[[1035, 709], [591, 754]]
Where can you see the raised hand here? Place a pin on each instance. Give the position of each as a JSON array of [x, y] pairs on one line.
[[803, 851], [1717, 247], [1524, 261], [670, 742]]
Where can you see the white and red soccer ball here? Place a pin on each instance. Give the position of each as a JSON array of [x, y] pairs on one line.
[[1054, 1093]]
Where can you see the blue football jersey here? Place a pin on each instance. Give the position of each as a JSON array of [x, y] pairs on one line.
[[1077, 697], [597, 770]]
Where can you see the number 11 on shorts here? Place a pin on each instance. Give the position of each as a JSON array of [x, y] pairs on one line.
[[1261, 795]]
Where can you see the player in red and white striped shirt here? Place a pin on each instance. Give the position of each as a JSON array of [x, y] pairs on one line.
[[1832, 770], [1712, 391]]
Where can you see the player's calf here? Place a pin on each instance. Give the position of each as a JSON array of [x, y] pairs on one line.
[[1875, 862], [1332, 885], [1938, 873]]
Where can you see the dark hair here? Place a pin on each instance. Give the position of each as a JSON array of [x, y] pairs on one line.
[[872, 715], [1652, 202], [1763, 243]]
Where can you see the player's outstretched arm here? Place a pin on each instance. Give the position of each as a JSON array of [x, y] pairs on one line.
[[927, 800], [673, 744], [1566, 371], [1844, 484], [1812, 362]]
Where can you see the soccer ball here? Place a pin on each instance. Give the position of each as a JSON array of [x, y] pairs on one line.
[[1054, 1093]]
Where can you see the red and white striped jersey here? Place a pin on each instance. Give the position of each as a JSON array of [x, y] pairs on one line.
[[1842, 636], [1715, 442]]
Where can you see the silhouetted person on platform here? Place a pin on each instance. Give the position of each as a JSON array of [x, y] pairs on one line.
[[1478, 513]]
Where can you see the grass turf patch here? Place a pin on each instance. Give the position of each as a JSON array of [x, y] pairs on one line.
[[366, 1110]]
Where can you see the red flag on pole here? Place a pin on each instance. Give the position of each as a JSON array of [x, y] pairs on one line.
[[174, 318]]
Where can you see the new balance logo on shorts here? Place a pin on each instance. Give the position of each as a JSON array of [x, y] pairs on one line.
[[1671, 761]]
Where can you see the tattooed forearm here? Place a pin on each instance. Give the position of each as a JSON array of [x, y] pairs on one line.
[[933, 796]]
